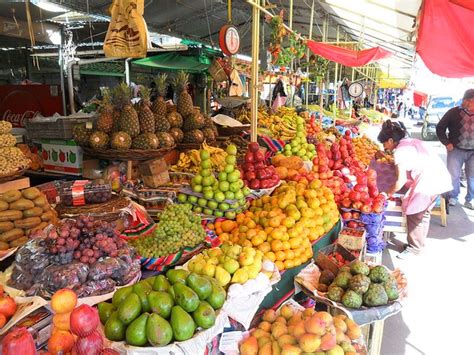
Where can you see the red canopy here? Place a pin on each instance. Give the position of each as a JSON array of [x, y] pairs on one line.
[[446, 37], [348, 57]]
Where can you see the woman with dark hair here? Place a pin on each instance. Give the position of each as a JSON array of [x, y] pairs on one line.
[[423, 174]]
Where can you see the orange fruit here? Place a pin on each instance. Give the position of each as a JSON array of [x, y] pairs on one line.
[[271, 256], [62, 321], [289, 264], [279, 264], [277, 245], [286, 245], [265, 247], [64, 301], [280, 255], [290, 254], [3, 320]]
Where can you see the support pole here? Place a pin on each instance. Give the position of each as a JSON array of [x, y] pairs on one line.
[[290, 20], [254, 79], [321, 86], [61, 72], [335, 81], [307, 54]]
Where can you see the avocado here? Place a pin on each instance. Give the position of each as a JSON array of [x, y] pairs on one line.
[[158, 330], [105, 310], [120, 295], [161, 283], [136, 331], [114, 328], [130, 308], [142, 292], [200, 285], [177, 275], [151, 281], [204, 315], [182, 324], [217, 297], [185, 297], [161, 303]]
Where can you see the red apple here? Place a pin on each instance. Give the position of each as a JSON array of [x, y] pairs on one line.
[[354, 195], [366, 208], [346, 215], [254, 184], [249, 157], [361, 179], [346, 202], [364, 196], [258, 156], [357, 205], [352, 224], [248, 167], [253, 147], [250, 175], [259, 165]]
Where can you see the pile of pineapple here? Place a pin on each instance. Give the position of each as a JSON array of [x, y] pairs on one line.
[[155, 125], [12, 158]]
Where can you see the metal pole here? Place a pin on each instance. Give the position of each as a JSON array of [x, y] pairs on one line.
[[335, 81], [254, 79], [307, 53], [61, 72], [320, 86], [290, 20]]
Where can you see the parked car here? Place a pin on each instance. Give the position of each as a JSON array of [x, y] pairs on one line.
[[437, 107]]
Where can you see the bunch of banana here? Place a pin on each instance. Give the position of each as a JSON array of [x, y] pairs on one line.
[[191, 160]]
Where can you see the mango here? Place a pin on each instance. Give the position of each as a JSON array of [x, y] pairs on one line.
[[136, 332], [200, 285], [114, 328], [158, 330], [182, 324], [161, 303], [105, 310], [177, 275], [204, 315], [185, 297], [130, 308], [161, 283], [249, 346]]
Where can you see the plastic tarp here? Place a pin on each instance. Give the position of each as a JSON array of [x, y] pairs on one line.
[[175, 61], [446, 37], [348, 57], [420, 99]]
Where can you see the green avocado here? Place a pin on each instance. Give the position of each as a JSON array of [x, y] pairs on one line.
[[161, 303], [136, 331], [161, 283], [105, 310], [158, 330], [114, 328], [182, 324], [130, 308], [217, 297], [120, 295], [185, 297], [177, 275], [142, 291], [200, 285], [151, 281], [204, 315]]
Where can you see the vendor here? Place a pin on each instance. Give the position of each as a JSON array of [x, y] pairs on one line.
[[423, 174]]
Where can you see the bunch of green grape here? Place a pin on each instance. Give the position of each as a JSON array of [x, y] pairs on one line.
[[179, 227]]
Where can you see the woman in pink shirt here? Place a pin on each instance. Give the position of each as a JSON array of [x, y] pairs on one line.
[[424, 175]]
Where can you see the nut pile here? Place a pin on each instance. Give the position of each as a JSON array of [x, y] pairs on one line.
[[11, 158]]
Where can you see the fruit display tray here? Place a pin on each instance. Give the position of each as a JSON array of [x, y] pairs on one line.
[[131, 154]]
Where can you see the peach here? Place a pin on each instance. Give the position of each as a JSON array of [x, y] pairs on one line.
[[60, 341], [340, 336], [297, 317], [308, 312], [340, 325], [297, 329], [276, 349], [286, 339], [309, 342], [270, 315], [249, 346], [325, 317], [64, 301], [289, 349], [314, 325], [278, 330], [354, 332], [336, 350], [263, 340], [266, 326], [266, 349], [260, 333], [286, 312], [280, 319], [328, 341], [62, 321]]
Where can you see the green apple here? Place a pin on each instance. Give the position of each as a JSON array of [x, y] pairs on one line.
[[230, 214], [207, 211], [223, 186], [287, 147], [207, 181], [233, 176], [206, 172], [218, 213], [207, 188], [234, 205], [204, 154], [241, 183], [197, 209], [234, 186], [224, 206], [215, 185], [229, 168], [197, 188], [246, 190], [188, 205], [287, 153], [222, 176], [219, 196], [206, 164], [231, 149], [208, 195], [212, 204], [229, 195], [311, 147], [242, 202], [230, 159], [197, 180], [182, 198], [239, 195], [192, 199], [202, 202]]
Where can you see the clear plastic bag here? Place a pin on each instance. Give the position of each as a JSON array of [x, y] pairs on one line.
[[104, 268], [96, 287], [55, 277]]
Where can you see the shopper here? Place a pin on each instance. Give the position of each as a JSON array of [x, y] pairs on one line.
[[460, 146], [423, 174]]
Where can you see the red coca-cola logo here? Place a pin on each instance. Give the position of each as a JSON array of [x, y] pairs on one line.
[[19, 119]]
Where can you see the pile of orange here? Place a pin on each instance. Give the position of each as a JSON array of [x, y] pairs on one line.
[[284, 225], [364, 149]]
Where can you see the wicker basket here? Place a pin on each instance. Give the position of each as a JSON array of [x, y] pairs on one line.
[[60, 128], [16, 174]]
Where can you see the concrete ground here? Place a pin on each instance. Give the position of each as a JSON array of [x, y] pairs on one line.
[[437, 315]]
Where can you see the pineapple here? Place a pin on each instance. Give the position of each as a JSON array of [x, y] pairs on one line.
[[121, 141], [194, 136], [105, 122], [128, 121], [177, 134], [175, 119], [165, 140], [145, 141], [159, 105], [99, 140], [145, 116], [194, 121], [81, 135], [209, 134], [184, 101], [162, 124]]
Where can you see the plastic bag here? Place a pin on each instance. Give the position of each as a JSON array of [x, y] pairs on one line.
[[55, 277], [96, 288]]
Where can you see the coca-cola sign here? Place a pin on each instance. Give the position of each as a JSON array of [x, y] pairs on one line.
[[19, 103]]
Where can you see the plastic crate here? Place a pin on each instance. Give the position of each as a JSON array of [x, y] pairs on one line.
[[52, 127]]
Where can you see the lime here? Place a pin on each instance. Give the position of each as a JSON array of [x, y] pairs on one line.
[[230, 159], [231, 149], [222, 176], [223, 186], [202, 202], [204, 154], [206, 164], [218, 213], [233, 176], [197, 188], [192, 199], [229, 168], [234, 186], [207, 181], [197, 180], [212, 204], [197, 209], [224, 206], [206, 172], [208, 194]]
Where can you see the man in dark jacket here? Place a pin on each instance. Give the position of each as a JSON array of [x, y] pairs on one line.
[[459, 142]]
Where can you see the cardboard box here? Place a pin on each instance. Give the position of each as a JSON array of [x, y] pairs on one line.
[[62, 156], [325, 263], [352, 239], [154, 172]]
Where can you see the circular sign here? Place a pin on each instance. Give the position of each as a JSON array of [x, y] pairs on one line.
[[356, 89], [229, 40]]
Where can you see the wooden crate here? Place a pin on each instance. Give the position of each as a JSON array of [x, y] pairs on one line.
[[17, 184]]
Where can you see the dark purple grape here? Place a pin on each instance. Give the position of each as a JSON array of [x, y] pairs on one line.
[[84, 259]]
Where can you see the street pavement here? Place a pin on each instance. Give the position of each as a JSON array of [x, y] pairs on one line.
[[437, 315]]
